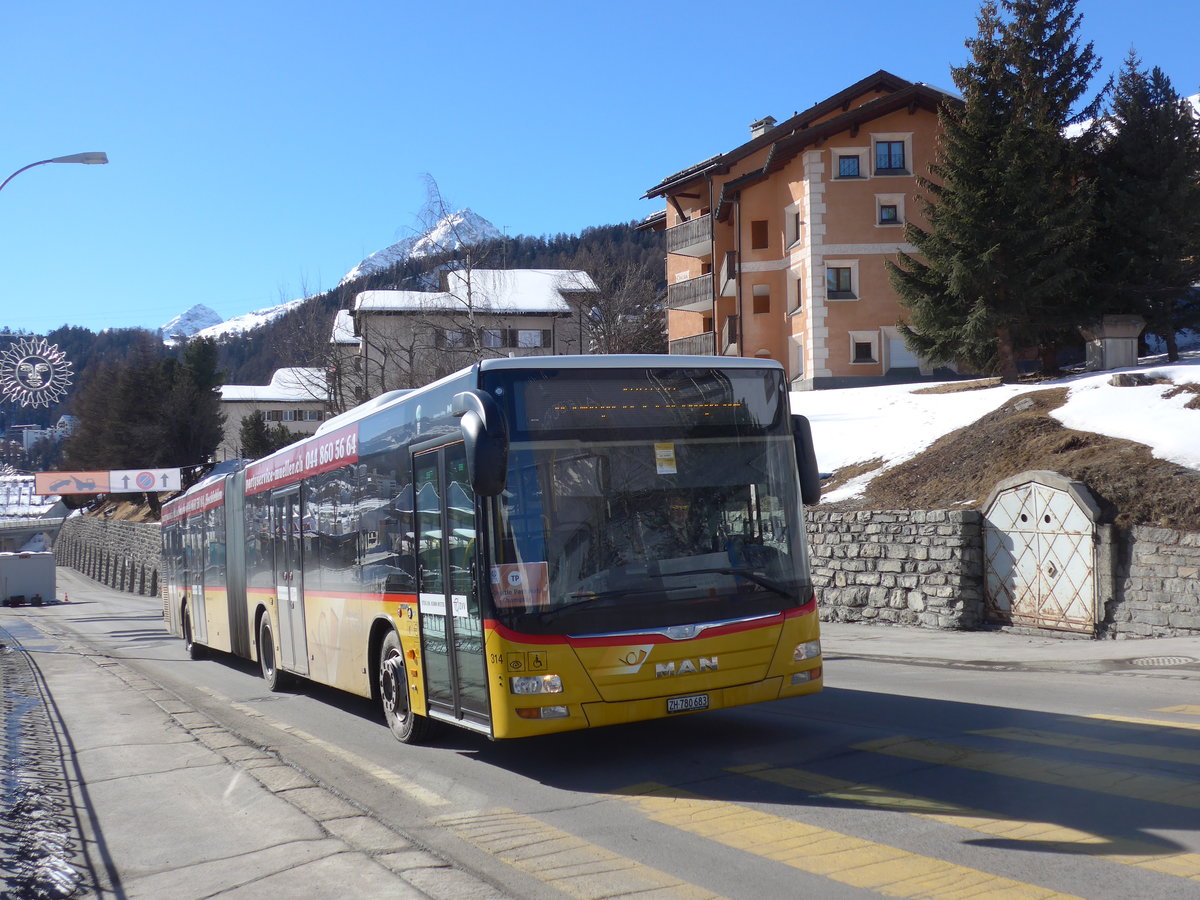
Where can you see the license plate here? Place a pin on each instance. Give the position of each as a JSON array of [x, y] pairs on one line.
[[687, 704]]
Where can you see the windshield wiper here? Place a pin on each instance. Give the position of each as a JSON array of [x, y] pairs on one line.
[[584, 598], [763, 580]]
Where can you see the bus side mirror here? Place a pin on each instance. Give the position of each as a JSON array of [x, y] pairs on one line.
[[806, 460], [485, 439]]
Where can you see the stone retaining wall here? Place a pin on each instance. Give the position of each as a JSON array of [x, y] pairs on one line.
[[925, 567], [122, 555], [1157, 584], [903, 567]]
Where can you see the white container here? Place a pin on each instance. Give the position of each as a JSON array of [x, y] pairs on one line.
[[28, 576]]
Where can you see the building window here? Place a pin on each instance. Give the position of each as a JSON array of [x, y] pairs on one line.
[[289, 415], [864, 347], [839, 283], [848, 166], [452, 338], [762, 298], [274, 415], [799, 304], [493, 338], [758, 235], [529, 339], [312, 415], [889, 158], [889, 214]]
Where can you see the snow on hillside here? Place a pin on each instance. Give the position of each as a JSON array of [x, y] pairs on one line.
[[459, 229], [894, 423], [249, 321]]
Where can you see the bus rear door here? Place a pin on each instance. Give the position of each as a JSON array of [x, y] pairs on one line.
[[289, 580], [195, 547], [451, 623]]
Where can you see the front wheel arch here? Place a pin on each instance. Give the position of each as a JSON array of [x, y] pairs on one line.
[[395, 694]]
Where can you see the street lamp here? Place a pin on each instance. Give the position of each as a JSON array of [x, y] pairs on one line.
[[97, 158]]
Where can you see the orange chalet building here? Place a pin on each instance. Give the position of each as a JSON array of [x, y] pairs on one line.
[[776, 249]]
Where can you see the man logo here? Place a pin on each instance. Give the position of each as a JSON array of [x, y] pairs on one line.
[[685, 667]]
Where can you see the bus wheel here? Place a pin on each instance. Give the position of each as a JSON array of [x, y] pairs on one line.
[[194, 650], [275, 679], [406, 725]]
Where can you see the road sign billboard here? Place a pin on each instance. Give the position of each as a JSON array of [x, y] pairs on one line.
[[47, 483], [132, 481]]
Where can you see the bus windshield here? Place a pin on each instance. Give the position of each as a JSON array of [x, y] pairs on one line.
[[671, 519]]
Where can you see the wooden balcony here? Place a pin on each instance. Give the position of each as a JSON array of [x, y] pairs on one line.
[[691, 238], [729, 271], [729, 336], [695, 294], [693, 345]]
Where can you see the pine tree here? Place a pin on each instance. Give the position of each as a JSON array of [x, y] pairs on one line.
[[1147, 246], [254, 436], [1001, 266]]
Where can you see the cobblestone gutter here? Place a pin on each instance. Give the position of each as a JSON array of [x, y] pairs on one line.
[[41, 842]]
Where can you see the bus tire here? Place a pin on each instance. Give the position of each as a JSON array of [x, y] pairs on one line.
[[194, 650], [268, 659], [406, 725]]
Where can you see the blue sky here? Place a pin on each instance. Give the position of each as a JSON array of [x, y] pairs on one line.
[[259, 150]]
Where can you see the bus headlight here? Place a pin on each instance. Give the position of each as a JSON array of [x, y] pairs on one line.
[[536, 684], [807, 650]]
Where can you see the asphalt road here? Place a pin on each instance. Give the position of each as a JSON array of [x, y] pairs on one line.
[[908, 777]]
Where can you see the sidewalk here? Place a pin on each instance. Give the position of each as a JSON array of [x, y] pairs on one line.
[[112, 787], [996, 650]]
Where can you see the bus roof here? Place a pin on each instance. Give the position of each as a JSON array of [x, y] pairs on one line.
[[628, 360]]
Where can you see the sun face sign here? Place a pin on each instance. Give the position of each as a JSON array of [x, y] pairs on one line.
[[34, 373]]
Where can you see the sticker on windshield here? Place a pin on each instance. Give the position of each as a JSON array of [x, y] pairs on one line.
[[664, 458], [520, 585]]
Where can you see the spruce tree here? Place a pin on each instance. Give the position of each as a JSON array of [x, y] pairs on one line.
[[1147, 245], [1001, 264], [254, 436]]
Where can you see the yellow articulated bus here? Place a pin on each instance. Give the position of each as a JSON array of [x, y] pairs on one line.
[[527, 546]]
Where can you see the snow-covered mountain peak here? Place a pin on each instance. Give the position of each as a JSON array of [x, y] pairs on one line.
[[463, 228], [189, 322]]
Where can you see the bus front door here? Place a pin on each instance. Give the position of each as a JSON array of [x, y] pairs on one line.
[[289, 580], [451, 622]]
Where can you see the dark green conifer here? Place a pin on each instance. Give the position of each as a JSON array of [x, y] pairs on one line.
[[1001, 264], [1147, 245]]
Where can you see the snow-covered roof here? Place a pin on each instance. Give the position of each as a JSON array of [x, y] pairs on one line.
[[494, 290], [291, 385], [17, 498], [343, 329]]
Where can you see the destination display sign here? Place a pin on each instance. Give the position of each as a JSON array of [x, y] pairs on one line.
[[194, 503], [322, 453]]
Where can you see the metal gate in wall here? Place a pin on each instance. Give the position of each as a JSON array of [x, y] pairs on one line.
[[1039, 546]]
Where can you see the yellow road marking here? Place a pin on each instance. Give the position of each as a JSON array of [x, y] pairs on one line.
[[839, 857], [1038, 835], [1181, 710], [1156, 723], [1093, 745], [1064, 773], [566, 862]]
